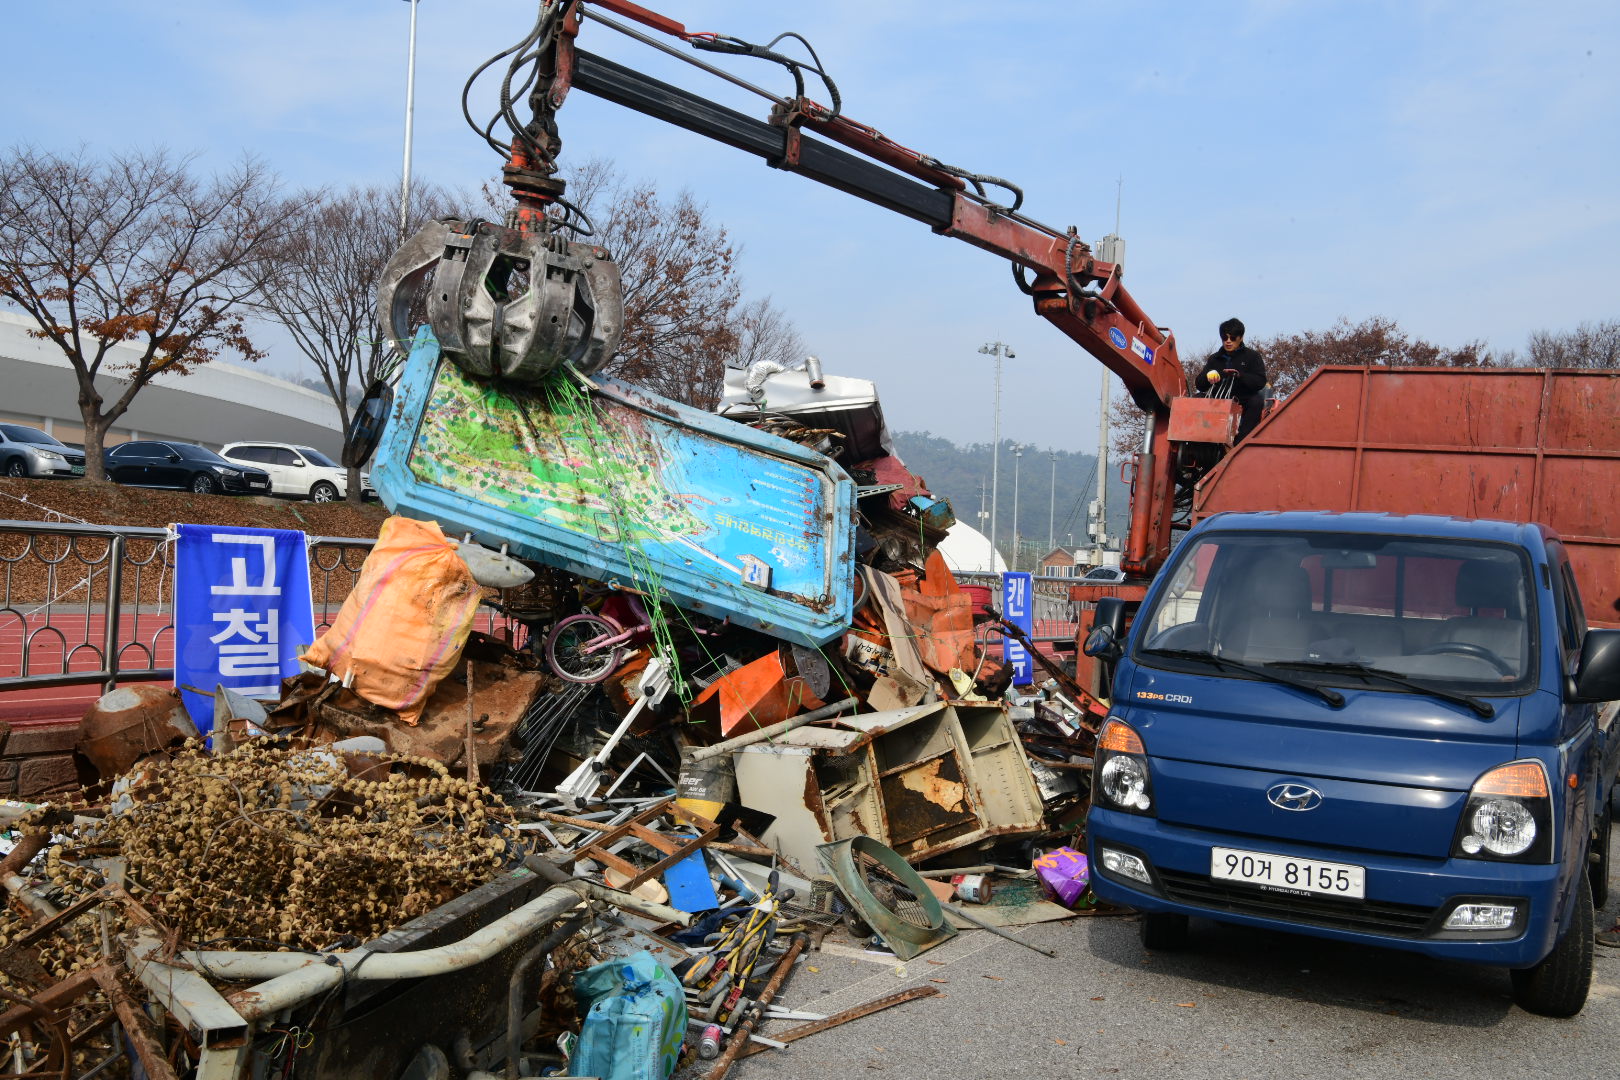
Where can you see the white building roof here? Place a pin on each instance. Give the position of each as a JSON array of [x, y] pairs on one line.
[[219, 402]]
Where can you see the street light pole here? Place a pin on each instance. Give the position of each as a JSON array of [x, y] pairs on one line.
[[1000, 351], [1018, 457], [410, 114]]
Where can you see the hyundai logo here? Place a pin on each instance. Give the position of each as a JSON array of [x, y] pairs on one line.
[[1293, 797]]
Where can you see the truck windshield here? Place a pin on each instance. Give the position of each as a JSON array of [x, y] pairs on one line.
[[1448, 614]]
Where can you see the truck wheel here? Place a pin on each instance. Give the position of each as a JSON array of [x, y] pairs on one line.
[[1598, 867], [1165, 932], [1559, 984]]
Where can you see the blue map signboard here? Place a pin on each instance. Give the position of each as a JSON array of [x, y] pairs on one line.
[[241, 612], [611, 482], [1018, 608]]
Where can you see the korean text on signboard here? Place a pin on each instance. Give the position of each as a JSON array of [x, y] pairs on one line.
[[241, 612], [1018, 608]]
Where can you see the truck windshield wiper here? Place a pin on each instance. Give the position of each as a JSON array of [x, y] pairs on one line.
[[1483, 708], [1327, 694]]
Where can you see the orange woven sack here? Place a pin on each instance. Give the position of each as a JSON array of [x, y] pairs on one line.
[[403, 627]]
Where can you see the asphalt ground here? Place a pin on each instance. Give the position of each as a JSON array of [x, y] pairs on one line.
[[1238, 1003]]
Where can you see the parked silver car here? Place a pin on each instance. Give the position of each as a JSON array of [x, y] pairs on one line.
[[26, 451], [301, 472]]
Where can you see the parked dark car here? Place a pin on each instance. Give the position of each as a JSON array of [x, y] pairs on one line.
[[26, 451], [182, 465]]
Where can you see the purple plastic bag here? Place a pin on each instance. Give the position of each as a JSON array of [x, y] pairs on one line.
[[1064, 875]]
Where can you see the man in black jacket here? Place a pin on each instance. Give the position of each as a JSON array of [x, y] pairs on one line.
[[1236, 371]]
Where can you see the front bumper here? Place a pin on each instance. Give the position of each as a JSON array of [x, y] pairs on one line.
[[245, 485], [1408, 899]]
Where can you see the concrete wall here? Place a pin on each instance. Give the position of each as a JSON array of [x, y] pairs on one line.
[[219, 402]]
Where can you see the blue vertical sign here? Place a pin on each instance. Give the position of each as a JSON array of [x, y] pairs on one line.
[[1018, 608], [241, 612]]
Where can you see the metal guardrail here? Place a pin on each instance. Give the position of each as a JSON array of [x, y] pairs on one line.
[[89, 604], [84, 604]]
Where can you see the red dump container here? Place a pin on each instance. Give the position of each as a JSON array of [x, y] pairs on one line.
[[1517, 445]]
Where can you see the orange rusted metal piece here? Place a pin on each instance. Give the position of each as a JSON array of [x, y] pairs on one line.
[[942, 613], [1204, 420], [130, 723]]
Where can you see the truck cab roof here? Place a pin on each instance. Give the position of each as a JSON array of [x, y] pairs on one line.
[[1511, 532]]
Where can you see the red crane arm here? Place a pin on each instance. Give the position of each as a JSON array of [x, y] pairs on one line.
[[1082, 297]]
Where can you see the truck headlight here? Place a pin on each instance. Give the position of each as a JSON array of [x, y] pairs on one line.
[[1508, 816], [1123, 780]]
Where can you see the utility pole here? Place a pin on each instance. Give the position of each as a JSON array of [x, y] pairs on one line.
[[1102, 471], [1000, 351], [1018, 456], [410, 113], [1051, 510]]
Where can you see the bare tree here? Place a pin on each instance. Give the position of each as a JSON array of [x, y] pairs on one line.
[[325, 291], [1590, 345], [684, 316], [764, 332], [134, 249]]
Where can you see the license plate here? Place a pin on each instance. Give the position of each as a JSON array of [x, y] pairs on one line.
[[258, 483], [1285, 874], [77, 470]]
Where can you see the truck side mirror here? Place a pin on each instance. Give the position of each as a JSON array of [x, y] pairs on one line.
[[1106, 640], [1597, 677]]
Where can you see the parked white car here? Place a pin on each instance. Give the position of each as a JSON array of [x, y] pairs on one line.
[[301, 472]]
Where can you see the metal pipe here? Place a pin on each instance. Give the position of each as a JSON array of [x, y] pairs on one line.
[[109, 639], [514, 990], [330, 968], [707, 752], [319, 975]]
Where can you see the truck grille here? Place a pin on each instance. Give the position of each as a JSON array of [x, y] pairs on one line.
[[1362, 916]]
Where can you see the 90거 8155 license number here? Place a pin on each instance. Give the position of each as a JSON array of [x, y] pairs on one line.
[[1281, 873]]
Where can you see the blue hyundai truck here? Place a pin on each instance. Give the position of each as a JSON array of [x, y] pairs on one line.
[[1385, 730]]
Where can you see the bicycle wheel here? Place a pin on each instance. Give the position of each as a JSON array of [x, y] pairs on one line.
[[576, 648]]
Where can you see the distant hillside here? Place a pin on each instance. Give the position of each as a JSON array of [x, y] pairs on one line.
[[957, 472]]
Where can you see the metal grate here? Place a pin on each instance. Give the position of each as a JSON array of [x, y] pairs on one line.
[[891, 893], [1365, 916]]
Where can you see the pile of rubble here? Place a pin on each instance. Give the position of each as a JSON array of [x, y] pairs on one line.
[[631, 805]]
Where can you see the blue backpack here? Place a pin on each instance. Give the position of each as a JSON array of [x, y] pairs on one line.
[[635, 1020]]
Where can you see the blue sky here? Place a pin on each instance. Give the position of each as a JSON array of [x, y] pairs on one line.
[[1450, 165]]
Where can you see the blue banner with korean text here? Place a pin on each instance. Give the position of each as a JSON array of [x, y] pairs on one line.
[[1018, 608], [241, 612]]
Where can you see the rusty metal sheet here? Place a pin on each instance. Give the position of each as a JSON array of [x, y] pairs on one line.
[[1205, 420], [926, 797], [1512, 444]]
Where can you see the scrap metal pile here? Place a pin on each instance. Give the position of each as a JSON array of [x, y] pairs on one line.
[[737, 703], [623, 776]]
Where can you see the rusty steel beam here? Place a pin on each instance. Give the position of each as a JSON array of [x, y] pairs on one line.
[[137, 1025], [853, 1013]]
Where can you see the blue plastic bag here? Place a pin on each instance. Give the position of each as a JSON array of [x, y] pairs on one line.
[[635, 1020]]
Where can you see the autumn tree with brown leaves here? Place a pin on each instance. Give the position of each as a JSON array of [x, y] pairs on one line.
[[685, 318], [324, 291], [1291, 358], [134, 250]]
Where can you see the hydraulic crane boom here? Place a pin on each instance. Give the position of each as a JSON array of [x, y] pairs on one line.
[[1080, 295]]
